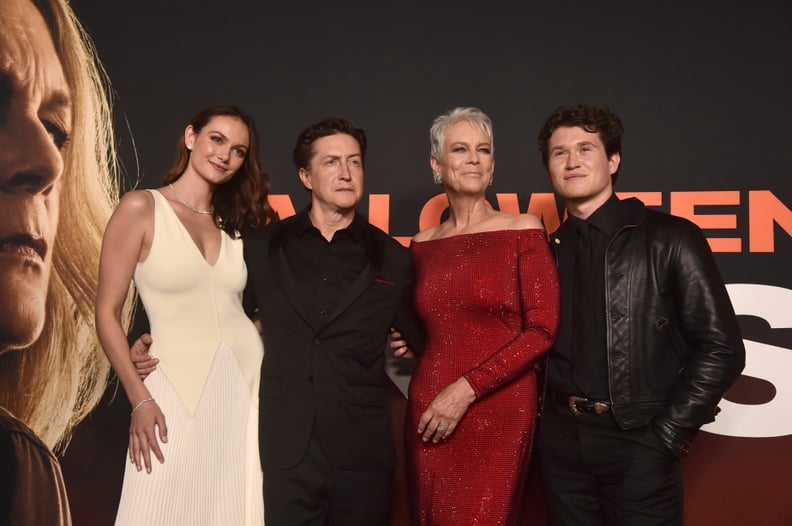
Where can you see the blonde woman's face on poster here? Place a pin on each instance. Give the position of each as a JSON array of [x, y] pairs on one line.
[[35, 122]]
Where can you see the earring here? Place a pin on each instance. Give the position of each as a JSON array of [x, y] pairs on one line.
[[189, 148], [491, 179], [437, 179]]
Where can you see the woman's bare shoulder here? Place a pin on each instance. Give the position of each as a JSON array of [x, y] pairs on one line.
[[137, 201], [518, 222], [425, 235]]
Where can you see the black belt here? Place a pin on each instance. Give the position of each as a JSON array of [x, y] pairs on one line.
[[579, 404]]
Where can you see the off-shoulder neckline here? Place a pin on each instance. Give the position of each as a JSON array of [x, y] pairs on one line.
[[483, 232]]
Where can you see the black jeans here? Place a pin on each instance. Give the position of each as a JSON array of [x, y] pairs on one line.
[[598, 474]]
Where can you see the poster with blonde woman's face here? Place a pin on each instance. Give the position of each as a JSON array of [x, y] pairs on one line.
[[35, 123], [56, 192], [35, 117]]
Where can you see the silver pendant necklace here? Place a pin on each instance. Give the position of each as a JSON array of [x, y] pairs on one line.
[[182, 201]]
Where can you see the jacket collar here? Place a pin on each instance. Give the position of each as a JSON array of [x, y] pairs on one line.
[[611, 217]]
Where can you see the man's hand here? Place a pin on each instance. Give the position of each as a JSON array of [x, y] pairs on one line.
[[399, 345], [139, 353], [257, 323]]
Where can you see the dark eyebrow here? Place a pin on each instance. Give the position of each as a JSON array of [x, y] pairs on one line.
[[465, 143], [58, 100], [221, 134]]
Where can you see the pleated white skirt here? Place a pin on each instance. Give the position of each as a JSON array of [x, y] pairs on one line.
[[211, 475]]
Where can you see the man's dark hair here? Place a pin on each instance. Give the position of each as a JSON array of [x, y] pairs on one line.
[[304, 150]]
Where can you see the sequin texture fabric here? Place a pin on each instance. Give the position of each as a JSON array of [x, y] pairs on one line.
[[490, 305]]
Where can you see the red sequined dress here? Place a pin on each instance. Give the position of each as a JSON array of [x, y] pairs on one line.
[[489, 301]]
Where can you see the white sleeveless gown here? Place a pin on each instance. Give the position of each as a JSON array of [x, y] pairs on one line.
[[206, 384]]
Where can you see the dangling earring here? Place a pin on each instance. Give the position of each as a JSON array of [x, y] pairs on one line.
[[437, 179], [491, 179]]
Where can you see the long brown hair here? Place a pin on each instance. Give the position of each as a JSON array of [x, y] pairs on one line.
[[243, 201]]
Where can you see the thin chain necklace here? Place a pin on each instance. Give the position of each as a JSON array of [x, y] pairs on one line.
[[182, 201]]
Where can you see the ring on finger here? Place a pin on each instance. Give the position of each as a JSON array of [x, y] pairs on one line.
[[442, 428]]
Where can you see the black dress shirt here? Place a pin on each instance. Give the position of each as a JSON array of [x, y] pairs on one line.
[[323, 270], [564, 367]]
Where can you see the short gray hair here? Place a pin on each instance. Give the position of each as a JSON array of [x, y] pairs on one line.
[[442, 123]]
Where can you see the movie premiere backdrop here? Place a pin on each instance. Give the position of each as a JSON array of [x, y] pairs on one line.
[[703, 89]]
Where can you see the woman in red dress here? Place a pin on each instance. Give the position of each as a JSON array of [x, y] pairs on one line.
[[487, 290]]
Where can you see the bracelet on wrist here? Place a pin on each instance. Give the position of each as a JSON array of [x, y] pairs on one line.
[[140, 404]]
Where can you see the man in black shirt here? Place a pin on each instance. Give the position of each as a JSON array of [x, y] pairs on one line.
[[328, 286], [648, 341]]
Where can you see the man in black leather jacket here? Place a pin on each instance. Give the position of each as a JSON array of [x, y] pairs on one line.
[[648, 342]]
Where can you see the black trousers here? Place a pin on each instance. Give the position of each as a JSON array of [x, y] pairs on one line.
[[314, 493], [598, 474]]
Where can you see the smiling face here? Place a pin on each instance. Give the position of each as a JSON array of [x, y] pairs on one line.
[[35, 122], [218, 149], [580, 170], [335, 174], [467, 163]]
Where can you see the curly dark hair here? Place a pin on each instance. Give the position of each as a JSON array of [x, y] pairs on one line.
[[593, 119], [304, 150], [243, 201]]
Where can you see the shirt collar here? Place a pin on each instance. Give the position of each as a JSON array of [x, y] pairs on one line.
[[608, 217], [356, 229]]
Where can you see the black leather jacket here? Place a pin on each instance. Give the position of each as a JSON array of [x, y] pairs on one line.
[[673, 342]]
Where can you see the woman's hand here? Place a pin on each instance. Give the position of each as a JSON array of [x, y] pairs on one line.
[[147, 419], [446, 410]]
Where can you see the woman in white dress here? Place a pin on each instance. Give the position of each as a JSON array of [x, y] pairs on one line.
[[197, 414]]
